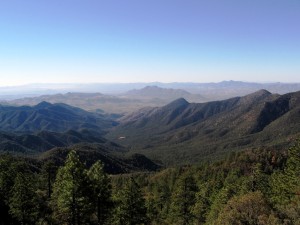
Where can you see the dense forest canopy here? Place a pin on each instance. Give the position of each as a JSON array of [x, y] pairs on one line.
[[250, 187]]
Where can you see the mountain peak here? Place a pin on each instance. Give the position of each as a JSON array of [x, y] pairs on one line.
[[177, 103], [262, 92], [43, 105], [256, 97], [153, 87], [259, 94], [158, 92]]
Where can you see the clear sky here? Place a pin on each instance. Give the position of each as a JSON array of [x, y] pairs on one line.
[[73, 41]]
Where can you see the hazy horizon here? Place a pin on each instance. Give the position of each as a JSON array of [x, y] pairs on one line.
[[142, 83], [151, 41]]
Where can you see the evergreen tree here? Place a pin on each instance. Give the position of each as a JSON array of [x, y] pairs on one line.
[[71, 193], [131, 208], [163, 195], [152, 212], [259, 180], [48, 176], [23, 201], [46, 179], [183, 200], [101, 192], [202, 203]]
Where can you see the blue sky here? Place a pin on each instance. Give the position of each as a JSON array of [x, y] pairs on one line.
[[77, 41]]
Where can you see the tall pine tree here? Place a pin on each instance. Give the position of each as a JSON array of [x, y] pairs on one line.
[[23, 201], [71, 193], [183, 200], [101, 192], [131, 208]]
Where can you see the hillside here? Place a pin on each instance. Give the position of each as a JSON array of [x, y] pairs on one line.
[[115, 162], [49, 146], [51, 117], [45, 140], [49, 131], [183, 132]]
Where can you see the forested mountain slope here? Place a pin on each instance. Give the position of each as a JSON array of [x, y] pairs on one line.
[[45, 140], [51, 117], [184, 132], [49, 131]]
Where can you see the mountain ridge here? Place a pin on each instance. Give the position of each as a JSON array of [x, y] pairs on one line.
[[213, 128]]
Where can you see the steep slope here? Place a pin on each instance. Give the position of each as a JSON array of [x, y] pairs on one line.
[[188, 132], [157, 123], [51, 117]]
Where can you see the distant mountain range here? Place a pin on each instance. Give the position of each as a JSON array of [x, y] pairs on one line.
[[88, 101], [164, 94], [214, 91], [124, 103], [150, 95], [183, 132]]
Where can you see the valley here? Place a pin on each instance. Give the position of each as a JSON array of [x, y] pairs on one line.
[[176, 133], [205, 159]]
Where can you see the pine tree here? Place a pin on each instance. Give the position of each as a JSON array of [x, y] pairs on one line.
[[202, 203], [48, 176], [71, 193], [131, 208], [23, 201], [101, 192], [183, 200]]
